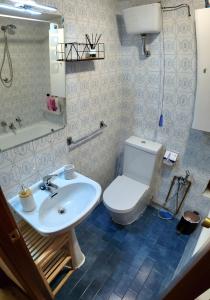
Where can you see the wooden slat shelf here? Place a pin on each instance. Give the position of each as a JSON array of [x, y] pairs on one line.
[[50, 254], [63, 281], [58, 267]]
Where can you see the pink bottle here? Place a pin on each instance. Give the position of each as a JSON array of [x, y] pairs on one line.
[[53, 104]]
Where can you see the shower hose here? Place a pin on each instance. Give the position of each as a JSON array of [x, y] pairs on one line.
[[7, 82]]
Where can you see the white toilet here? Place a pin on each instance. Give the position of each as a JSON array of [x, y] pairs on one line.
[[128, 195]]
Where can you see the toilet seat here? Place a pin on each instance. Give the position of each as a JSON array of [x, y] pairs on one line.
[[123, 194]]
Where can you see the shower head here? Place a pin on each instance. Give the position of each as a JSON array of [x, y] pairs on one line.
[[10, 28]]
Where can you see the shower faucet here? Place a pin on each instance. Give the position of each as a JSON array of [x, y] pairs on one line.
[[3, 124], [19, 121], [12, 127]]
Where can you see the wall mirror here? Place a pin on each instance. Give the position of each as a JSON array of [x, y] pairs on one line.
[[32, 81]]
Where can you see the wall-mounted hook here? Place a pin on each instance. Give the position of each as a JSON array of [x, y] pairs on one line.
[[102, 124], [146, 52]]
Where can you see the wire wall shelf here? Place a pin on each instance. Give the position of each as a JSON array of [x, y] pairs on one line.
[[70, 52]]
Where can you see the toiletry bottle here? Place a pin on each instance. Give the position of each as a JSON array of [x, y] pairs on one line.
[[53, 103], [60, 105], [27, 199], [48, 101], [57, 104]]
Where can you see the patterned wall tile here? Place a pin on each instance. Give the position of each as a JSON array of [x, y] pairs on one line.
[[94, 93], [9, 176], [180, 85]]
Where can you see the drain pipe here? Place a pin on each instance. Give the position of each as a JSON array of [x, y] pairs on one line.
[[146, 52]]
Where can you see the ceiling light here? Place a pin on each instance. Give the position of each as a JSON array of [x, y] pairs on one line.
[[33, 4], [21, 10]]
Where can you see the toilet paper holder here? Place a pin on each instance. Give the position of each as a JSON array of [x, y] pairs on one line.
[[170, 158]]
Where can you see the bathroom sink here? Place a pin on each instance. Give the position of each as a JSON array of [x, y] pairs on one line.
[[55, 213], [67, 206], [61, 211]]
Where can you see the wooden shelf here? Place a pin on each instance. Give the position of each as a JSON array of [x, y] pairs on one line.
[[50, 254]]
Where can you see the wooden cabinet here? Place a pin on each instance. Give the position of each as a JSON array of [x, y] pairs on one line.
[[51, 256]]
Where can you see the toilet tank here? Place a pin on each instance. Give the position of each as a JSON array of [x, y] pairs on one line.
[[140, 159], [143, 19]]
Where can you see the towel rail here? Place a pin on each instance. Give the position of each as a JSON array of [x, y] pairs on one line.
[[74, 144]]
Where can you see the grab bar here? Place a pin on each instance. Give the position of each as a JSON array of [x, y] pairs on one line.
[[74, 144]]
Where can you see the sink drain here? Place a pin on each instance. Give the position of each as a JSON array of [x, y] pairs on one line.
[[61, 211]]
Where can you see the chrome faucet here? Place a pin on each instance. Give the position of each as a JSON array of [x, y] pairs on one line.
[[19, 121], [47, 185], [12, 127], [4, 125]]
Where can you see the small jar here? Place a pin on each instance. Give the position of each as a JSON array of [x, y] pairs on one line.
[[69, 172], [91, 53], [27, 200]]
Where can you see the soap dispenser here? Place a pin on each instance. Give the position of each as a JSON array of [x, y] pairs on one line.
[[27, 199]]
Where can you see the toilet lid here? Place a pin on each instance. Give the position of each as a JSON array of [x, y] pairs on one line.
[[123, 194]]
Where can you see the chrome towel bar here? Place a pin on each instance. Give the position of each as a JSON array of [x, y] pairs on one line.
[[74, 144]]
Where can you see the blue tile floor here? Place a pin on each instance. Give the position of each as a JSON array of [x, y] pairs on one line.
[[131, 262]]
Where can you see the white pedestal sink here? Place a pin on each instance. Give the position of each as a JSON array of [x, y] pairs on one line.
[[78, 257], [56, 213]]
